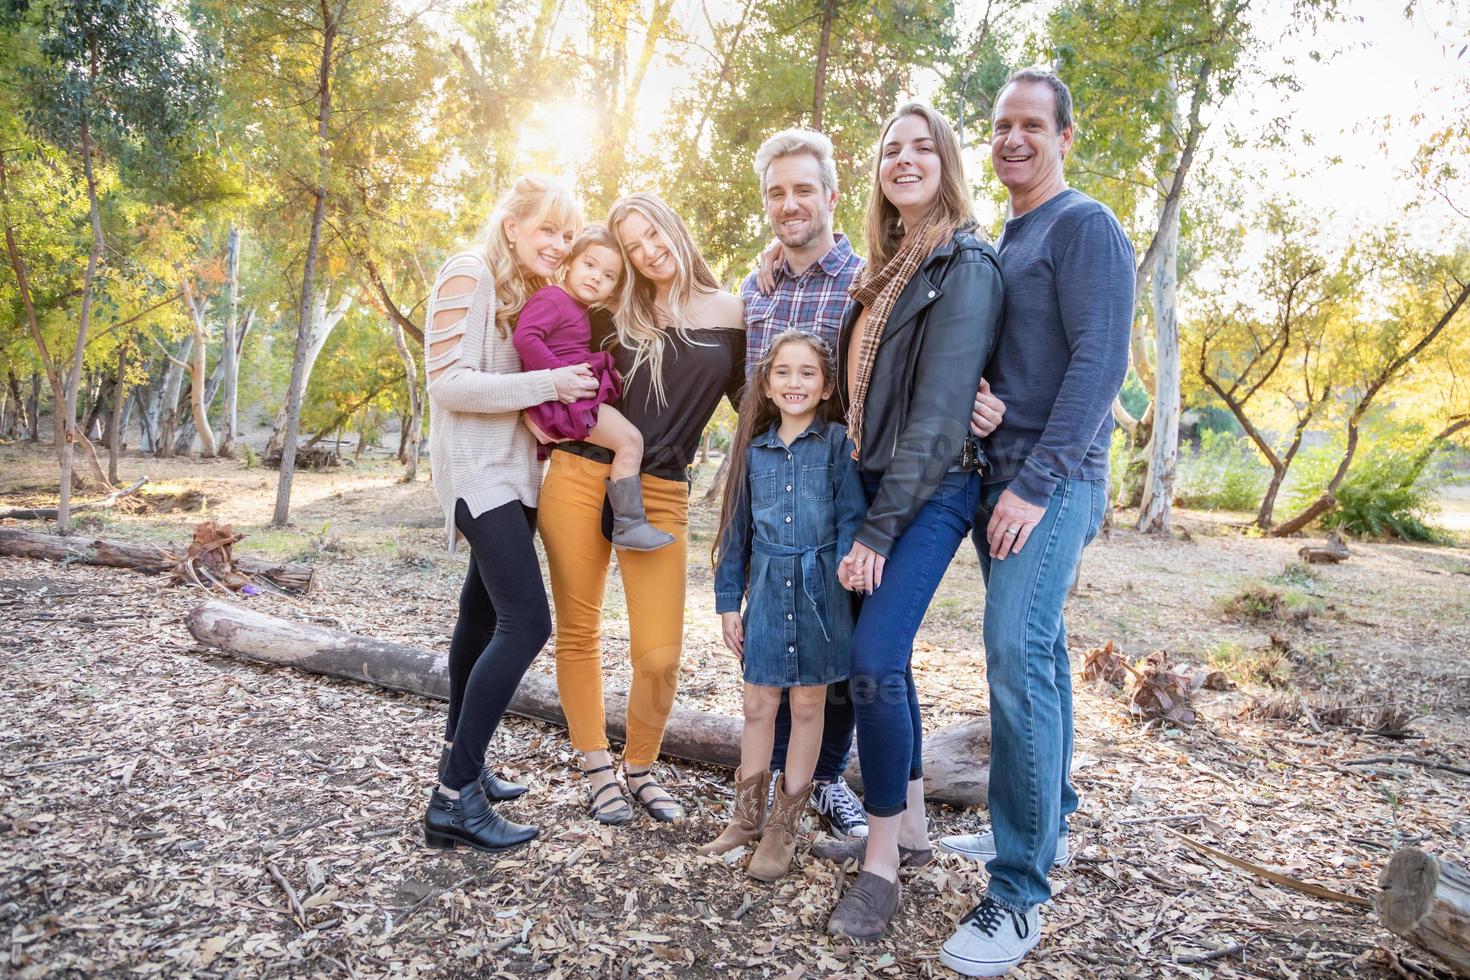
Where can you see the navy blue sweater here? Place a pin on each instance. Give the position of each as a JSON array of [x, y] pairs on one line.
[[1063, 347]]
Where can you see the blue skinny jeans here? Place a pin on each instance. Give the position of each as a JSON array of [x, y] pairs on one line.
[[889, 728]]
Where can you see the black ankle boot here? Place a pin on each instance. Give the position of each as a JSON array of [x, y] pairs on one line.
[[472, 821], [497, 790]]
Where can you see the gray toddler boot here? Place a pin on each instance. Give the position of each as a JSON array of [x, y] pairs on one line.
[[631, 529]]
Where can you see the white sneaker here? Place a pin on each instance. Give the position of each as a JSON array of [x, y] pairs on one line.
[[839, 806], [991, 939], [981, 847]]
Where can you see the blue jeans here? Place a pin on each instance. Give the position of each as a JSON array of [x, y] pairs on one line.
[[836, 733], [889, 729], [1030, 679]]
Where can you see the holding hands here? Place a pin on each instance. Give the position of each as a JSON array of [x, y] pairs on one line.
[[861, 570]]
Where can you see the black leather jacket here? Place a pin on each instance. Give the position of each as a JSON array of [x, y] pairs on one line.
[[935, 344]]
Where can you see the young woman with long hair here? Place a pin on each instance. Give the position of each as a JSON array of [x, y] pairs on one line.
[[922, 321], [486, 478], [679, 344]]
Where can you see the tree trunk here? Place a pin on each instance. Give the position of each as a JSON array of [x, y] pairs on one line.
[[119, 402], [147, 558], [84, 321], [198, 371], [408, 453], [33, 406], [1426, 900], [955, 758], [165, 411], [230, 359], [824, 48], [1158, 487], [718, 483], [22, 418], [308, 272], [323, 322]]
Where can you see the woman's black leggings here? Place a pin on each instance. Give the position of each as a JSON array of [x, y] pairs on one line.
[[504, 621]]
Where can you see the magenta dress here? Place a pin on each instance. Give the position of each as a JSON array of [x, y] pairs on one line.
[[554, 331]]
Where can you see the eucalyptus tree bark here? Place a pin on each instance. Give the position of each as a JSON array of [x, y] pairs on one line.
[[84, 321], [329, 27], [33, 406], [164, 412], [413, 430], [229, 421], [322, 322], [119, 403], [1142, 431], [1163, 456], [199, 370]]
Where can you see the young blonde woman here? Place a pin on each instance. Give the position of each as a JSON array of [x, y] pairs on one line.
[[924, 317], [679, 344], [487, 479]]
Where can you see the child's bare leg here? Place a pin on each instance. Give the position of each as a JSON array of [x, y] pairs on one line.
[[758, 734], [614, 431], [808, 711]]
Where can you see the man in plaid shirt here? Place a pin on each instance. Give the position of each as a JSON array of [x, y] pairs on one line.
[[813, 266]]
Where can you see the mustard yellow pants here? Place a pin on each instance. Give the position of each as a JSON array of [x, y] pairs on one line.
[[570, 523]]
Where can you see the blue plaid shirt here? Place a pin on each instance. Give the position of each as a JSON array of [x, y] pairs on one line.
[[813, 300]]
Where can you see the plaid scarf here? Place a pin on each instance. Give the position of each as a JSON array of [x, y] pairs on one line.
[[878, 290]]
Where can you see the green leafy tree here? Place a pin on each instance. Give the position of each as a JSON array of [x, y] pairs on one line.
[[115, 79]]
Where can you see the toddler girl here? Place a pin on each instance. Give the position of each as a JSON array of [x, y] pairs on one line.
[[793, 502], [554, 331]]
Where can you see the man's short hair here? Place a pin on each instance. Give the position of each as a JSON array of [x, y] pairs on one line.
[[1058, 89], [790, 142]]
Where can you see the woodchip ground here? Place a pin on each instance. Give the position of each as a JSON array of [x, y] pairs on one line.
[[168, 810]]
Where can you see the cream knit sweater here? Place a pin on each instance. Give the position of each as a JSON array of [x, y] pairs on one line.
[[479, 451]]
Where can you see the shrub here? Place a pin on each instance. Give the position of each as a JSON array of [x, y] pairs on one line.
[[1387, 493], [1224, 474]]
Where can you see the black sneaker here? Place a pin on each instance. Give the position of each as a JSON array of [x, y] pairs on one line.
[[840, 809]]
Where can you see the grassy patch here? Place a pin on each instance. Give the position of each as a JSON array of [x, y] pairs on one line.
[[1297, 574], [1263, 665], [1261, 604]]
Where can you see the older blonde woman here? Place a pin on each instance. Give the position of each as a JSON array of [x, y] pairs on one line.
[[487, 479], [679, 343]]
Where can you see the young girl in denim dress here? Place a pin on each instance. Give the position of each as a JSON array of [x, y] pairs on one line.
[[793, 502]]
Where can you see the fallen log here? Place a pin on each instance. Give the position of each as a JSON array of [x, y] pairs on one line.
[[50, 513], [1334, 550], [1426, 900], [955, 759], [147, 558]]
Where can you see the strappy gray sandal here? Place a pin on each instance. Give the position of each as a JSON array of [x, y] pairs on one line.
[[612, 810], [661, 806]]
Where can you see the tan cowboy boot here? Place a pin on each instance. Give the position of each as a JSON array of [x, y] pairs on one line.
[[749, 816], [778, 841]]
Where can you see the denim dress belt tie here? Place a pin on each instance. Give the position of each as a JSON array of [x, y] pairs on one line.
[[811, 573]]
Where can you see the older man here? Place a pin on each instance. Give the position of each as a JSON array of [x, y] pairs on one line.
[[1059, 362]]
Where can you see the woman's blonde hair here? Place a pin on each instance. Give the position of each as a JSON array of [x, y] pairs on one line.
[[531, 201], [640, 326], [952, 206]]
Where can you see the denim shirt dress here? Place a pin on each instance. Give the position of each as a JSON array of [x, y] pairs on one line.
[[803, 505]]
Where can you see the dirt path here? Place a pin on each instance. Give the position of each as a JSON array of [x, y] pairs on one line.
[[151, 792]]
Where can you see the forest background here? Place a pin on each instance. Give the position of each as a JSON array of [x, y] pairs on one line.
[[224, 217]]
